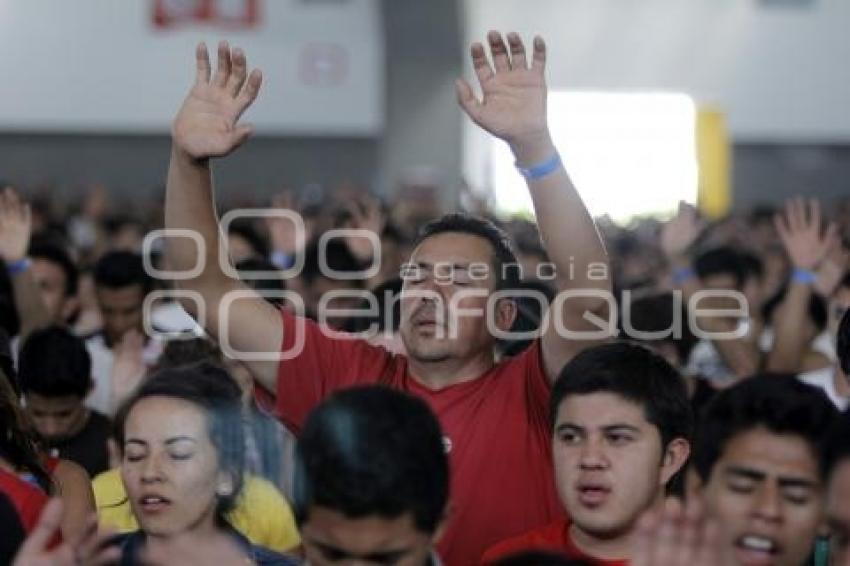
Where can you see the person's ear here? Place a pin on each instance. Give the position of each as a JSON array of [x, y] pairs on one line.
[[675, 457], [505, 314]]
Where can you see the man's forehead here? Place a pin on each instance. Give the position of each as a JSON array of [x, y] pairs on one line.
[[453, 247], [771, 455], [600, 409]]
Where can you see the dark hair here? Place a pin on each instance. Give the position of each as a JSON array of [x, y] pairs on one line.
[[657, 312], [836, 444], [13, 531], [17, 444], [636, 374], [337, 257], [258, 264], [842, 343], [370, 451], [54, 363], [724, 260], [179, 353], [753, 265], [119, 269], [388, 315], [780, 404], [245, 229], [210, 388], [539, 558], [504, 259], [58, 256], [530, 313]]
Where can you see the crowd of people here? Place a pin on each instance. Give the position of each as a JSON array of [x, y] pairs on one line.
[[364, 382]]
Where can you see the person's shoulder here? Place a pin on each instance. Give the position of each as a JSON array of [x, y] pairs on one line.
[[547, 537]]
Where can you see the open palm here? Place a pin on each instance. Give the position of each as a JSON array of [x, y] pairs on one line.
[[207, 123], [513, 103]]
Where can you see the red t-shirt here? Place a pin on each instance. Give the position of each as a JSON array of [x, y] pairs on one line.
[[496, 429], [554, 538], [27, 499]]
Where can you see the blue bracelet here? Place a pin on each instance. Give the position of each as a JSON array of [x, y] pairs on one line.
[[804, 276], [682, 274], [18, 266], [541, 169]]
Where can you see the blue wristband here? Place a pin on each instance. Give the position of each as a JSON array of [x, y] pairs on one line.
[[682, 274], [804, 276], [18, 266], [541, 169]]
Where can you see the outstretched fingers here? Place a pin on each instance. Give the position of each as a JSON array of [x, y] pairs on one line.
[[239, 72], [499, 52], [538, 61], [225, 64], [518, 59], [249, 90], [480, 64], [202, 64]]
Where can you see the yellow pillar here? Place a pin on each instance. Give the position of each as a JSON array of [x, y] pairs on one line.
[[714, 159]]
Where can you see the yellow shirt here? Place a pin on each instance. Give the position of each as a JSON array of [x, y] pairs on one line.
[[261, 514]]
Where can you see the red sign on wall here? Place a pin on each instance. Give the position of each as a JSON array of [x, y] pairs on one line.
[[222, 13]]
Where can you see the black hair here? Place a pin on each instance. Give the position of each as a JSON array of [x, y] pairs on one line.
[[388, 315], [504, 261], [778, 403], [13, 531], [724, 260], [17, 443], [179, 353], [836, 445], [842, 343], [753, 265], [53, 362], [246, 229], [372, 451], [264, 284], [210, 388], [539, 558], [635, 373], [119, 269], [530, 313], [10, 321], [59, 256], [337, 257], [656, 312]]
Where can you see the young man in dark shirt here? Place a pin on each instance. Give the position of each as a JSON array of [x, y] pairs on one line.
[[55, 378]]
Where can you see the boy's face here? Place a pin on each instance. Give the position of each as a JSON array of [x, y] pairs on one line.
[[766, 494], [56, 418], [331, 538], [838, 514], [610, 465]]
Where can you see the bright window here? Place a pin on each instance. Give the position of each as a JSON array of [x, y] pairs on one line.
[[629, 154]]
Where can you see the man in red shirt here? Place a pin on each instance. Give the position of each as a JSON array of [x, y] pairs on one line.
[[621, 425], [494, 416]]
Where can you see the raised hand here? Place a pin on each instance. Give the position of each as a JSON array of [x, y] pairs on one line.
[[513, 103], [15, 226], [207, 123], [802, 233], [681, 231], [88, 549], [677, 537]]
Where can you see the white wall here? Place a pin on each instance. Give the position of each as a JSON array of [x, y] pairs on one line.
[[101, 66], [780, 73]]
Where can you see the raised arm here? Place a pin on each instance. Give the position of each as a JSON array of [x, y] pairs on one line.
[[807, 244], [15, 231], [207, 126], [513, 108]]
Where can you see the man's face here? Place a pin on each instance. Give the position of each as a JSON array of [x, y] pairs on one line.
[[766, 494], [838, 514], [121, 309], [609, 462], [56, 418], [51, 283], [331, 538], [444, 298]]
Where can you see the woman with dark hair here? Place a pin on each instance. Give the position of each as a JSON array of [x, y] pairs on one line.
[[182, 462]]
